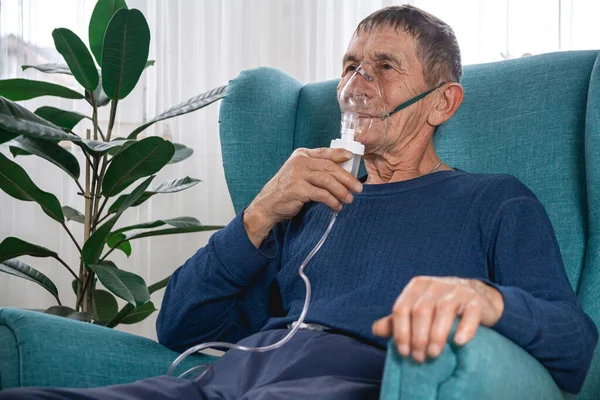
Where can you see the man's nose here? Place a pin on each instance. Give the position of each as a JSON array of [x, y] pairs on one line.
[[364, 73]]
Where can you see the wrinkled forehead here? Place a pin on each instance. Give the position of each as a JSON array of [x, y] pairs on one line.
[[382, 43]]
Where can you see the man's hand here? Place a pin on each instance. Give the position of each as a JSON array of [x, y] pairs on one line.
[[308, 175], [424, 313]]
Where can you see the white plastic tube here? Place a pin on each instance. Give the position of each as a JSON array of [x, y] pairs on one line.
[[273, 346]]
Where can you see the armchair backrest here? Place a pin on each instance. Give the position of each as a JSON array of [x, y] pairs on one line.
[[537, 118]]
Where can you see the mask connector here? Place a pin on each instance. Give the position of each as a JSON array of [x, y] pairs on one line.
[[348, 130]]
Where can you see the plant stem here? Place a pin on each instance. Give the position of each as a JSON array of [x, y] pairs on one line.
[[110, 251], [97, 216], [111, 119], [71, 236], [79, 185], [95, 117], [102, 219], [91, 164], [86, 286], [60, 260], [122, 313], [101, 134], [86, 232], [159, 285]]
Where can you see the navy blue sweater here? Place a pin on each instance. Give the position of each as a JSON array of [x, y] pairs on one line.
[[450, 223]]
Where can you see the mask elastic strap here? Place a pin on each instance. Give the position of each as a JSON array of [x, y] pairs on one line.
[[413, 100]]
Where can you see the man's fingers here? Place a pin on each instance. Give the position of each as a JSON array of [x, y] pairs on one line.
[[328, 182], [469, 322], [445, 314], [343, 176], [383, 327], [402, 313], [323, 196], [422, 318], [335, 155]]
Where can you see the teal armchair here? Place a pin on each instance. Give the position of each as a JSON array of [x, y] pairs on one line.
[[537, 118]]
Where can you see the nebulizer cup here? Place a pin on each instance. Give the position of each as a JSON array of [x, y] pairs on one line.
[[363, 110]]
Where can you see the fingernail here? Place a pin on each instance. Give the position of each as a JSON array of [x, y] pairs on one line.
[[418, 356], [349, 198], [404, 350], [434, 350], [358, 188], [459, 338]]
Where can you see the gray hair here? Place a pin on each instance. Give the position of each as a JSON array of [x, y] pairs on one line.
[[437, 47]]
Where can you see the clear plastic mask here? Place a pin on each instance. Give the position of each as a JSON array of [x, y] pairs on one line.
[[360, 93]]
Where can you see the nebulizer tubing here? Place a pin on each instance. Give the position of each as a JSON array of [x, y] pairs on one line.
[[273, 346], [348, 129]]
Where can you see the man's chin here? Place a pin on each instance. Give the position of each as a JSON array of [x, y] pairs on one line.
[[372, 143]]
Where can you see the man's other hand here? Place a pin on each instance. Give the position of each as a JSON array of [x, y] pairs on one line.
[[425, 311], [308, 175]]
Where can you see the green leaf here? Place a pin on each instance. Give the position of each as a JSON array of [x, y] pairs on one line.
[[105, 305], [16, 119], [16, 183], [92, 248], [13, 247], [68, 312], [109, 264], [149, 63], [49, 151], [103, 12], [138, 314], [117, 241], [72, 214], [179, 225], [15, 151], [61, 311], [193, 104], [65, 119], [100, 97], [50, 68], [181, 153], [25, 89], [124, 52], [172, 186], [98, 147], [81, 316], [180, 222], [74, 286], [22, 270], [77, 56], [126, 285], [6, 136], [116, 150], [141, 159]]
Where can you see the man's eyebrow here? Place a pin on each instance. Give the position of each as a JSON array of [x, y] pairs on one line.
[[385, 56], [349, 57]]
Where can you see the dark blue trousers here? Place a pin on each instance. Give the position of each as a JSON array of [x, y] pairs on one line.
[[313, 365]]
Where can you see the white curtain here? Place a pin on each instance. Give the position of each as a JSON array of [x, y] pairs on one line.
[[199, 45]]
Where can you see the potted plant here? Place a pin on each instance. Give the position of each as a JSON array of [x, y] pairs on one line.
[[119, 40]]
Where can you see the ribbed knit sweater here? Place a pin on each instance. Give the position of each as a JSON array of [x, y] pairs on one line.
[[450, 223]]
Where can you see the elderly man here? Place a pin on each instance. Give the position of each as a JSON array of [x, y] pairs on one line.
[[417, 245]]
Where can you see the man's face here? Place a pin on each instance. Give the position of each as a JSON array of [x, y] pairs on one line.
[[390, 54]]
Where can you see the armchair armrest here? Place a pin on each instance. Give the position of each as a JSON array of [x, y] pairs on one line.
[[38, 349], [489, 367]]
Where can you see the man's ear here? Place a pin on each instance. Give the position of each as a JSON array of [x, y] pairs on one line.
[[448, 100]]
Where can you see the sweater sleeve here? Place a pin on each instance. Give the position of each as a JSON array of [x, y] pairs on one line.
[[541, 312], [222, 293]]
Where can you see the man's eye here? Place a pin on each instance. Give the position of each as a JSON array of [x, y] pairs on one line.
[[351, 68], [387, 66]]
